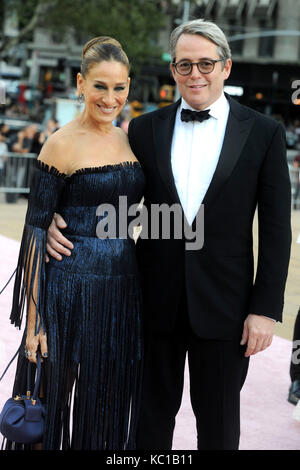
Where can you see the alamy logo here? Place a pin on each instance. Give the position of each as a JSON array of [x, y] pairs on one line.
[[166, 222], [296, 352], [296, 94]]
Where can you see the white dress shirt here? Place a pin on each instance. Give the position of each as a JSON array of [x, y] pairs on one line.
[[196, 147], [195, 151]]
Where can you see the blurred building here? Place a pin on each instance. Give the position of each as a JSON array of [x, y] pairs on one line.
[[265, 43], [264, 36], [54, 58]]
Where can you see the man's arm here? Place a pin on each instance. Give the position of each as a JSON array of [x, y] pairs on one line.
[[274, 207], [274, 231], [57, 245]]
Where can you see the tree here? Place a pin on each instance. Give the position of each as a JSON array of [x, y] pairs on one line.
[[135, 23], [29, 14]]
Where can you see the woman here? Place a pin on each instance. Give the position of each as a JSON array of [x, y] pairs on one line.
[[83, 313]]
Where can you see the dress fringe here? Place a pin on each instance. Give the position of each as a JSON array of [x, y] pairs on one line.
[[94, 366], [30, 276], [46, 188]]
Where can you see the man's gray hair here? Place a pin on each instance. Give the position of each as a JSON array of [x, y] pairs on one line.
[[203, 28]]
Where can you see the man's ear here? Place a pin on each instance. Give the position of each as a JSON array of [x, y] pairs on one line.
[[227, 68], [173, 72]]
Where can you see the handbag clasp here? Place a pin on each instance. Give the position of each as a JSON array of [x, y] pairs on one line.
[[18, 398]]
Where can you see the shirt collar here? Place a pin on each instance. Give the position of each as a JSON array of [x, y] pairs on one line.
[[217, 109]]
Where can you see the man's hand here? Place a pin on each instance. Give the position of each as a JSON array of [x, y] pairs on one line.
[[57, 244], [258, 333]]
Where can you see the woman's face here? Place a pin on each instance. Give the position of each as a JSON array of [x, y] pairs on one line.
[[105, 89]]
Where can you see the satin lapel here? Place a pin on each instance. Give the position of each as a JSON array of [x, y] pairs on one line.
[[163, 128], [237, 131]]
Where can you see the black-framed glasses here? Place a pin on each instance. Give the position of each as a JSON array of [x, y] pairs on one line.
[[185, 67]]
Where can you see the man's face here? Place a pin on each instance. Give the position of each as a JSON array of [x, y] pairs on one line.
[[200, 90]]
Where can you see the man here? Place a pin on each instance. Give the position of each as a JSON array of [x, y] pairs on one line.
[[203, 302]]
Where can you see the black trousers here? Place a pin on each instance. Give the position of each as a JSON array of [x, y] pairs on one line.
[[217, 372]]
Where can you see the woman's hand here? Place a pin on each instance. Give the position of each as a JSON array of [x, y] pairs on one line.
[[33, 342]]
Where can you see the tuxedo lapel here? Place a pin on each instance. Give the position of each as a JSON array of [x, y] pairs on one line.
[[163, 128], [237, 131]]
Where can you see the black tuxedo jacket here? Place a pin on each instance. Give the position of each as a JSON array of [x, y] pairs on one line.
[[219, 279]]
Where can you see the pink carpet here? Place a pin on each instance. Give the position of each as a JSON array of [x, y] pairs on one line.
[[266, 416]]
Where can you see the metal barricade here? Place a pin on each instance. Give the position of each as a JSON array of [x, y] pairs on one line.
[[16, 174]]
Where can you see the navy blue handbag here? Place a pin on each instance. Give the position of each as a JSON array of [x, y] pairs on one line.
[[22, 418]]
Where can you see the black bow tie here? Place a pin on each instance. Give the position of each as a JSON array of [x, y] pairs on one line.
[[189, 115]]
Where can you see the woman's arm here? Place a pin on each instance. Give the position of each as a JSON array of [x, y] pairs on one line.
[[36, 335], [47, 185]]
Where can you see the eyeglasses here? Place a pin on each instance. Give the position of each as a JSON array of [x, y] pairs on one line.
[[184, 67]]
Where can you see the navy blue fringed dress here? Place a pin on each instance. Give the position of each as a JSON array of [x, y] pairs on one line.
[[90, 305]]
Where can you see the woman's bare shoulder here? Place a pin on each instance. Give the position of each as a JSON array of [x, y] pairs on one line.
[[122, 136], [121, 133], [57, 150], [125, 143]]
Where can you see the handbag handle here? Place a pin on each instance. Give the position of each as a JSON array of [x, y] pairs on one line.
[[38, 376]]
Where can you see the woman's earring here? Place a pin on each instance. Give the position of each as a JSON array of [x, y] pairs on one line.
[[81, 98]]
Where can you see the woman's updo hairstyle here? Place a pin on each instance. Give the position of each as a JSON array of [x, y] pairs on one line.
[[99, 49]]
